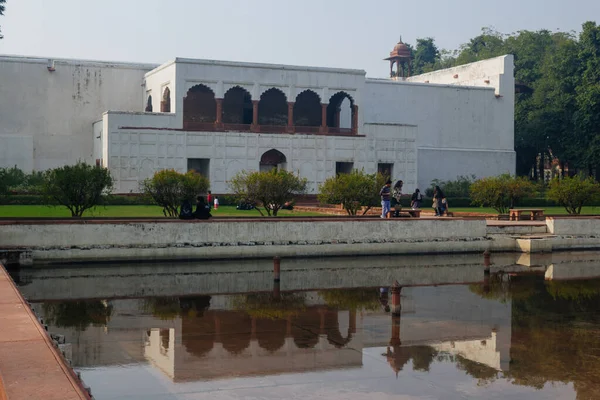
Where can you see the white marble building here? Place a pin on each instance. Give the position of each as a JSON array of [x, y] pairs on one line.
[[221, 117]]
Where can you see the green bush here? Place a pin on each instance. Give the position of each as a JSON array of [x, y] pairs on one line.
[[574, 193], [13, 180], [501, 192], [271, 188], [352, 191], [457, 188], [169, 189], [77, 187]]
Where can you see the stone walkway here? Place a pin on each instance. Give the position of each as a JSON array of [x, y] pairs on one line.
[[30, 367]]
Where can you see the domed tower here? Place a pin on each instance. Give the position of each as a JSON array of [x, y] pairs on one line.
[[401, 57]]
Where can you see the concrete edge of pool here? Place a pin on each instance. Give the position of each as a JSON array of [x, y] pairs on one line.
[[45, 241], [31, 367]]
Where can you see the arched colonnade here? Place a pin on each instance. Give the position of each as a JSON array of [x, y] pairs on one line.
[[272, 113]]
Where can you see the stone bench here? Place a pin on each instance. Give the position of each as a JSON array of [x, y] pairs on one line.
[[534, 214]]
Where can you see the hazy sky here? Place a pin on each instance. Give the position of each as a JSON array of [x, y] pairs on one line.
[[336, 33]]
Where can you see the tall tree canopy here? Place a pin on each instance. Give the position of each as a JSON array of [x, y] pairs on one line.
[[559, 112]]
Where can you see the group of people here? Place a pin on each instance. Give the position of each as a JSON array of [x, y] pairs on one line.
[[390, 197], [202, 207]]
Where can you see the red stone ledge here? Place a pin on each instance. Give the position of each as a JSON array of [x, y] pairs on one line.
[[32, 367]]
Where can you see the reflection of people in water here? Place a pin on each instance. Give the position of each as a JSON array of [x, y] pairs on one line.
[[383, 299]]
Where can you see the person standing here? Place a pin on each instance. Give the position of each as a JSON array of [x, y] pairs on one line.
[[416, 199], [439, 199], [385, 194], [209, 199], [216, 203]]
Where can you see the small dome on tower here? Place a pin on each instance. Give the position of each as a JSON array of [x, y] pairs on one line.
[[400, 50]]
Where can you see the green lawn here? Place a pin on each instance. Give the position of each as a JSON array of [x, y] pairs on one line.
[[130, 211], [547, 210]]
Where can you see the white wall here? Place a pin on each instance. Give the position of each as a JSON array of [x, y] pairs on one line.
[[464, 128], [136, 153], [157, 81], [46, 117]]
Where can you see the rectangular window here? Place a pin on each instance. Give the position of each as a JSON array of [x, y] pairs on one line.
[[386, 169], [343, 167], [200, 165]]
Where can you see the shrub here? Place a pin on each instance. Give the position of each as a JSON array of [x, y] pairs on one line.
[[78, 187], [352, 191], [9, 178], [574, 193], [272, 188], [500, 192], [13, 180], [169, 189], [458, 188]]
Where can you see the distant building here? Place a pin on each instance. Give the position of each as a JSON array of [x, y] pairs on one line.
[[220, 117]]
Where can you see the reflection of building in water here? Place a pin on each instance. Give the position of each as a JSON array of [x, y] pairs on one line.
[[225, 343], [204, 338]]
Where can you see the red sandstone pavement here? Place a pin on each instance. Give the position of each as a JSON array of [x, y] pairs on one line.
[[30, 367]]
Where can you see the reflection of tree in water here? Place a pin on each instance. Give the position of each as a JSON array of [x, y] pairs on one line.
[[266, 305], [483, 373], [555, 333], [352, 299], [77, 314], [422, 357], [169, 308]]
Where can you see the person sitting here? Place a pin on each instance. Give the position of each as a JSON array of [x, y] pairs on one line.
[[186, 210], [202, 209]]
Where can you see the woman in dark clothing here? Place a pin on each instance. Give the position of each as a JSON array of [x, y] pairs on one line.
[[438, 197], [202, 209], [416, 199], [186, 210]]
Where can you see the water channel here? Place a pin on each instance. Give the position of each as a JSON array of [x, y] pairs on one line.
[[527, 328]]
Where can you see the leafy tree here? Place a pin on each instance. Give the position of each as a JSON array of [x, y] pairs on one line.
[[2, 8], [426, 55], [501, 192], [272, 189], [78, 187], [574, 193], [352, 191], [587, 115], [169, 189]]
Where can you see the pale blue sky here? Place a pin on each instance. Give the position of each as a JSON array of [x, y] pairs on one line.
[[335, 33]]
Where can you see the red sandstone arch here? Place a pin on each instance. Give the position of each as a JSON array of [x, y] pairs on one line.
[[237, 106], [236, 331], [307, 109], [198, 333], [272, 108], [305, 329], [165, 104], [334, 110], [271, 333], [332, 329], [273, 158], [199, 107], [149, 104]]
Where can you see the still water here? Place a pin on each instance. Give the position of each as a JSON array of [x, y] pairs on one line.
[[332, 329]]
